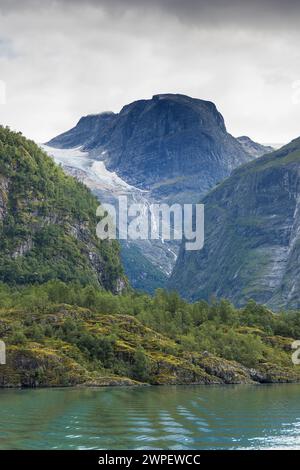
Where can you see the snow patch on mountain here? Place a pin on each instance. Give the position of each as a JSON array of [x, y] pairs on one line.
[[93, 172]]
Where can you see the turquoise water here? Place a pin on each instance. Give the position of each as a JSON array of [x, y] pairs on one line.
[[194, 417]]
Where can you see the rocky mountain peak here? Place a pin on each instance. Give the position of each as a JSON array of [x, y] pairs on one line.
[[151, 143]]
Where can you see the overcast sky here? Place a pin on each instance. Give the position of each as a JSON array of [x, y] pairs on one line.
[[64, 59]]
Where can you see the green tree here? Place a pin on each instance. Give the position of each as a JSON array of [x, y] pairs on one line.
[[141, 365]]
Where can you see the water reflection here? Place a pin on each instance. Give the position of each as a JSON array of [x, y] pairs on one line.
[[197, 417]]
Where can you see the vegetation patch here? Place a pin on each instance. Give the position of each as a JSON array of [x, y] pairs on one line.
[[96, 338]]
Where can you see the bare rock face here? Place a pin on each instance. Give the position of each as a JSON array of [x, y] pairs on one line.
[[173, 145], [253, 148], [3, 196], [23, 248], [252, 236]]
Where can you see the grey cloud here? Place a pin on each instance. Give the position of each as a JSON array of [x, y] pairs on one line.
[[70, 58], [269, 12]]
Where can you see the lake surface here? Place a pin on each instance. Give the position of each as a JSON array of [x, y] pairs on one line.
[[194, 417]]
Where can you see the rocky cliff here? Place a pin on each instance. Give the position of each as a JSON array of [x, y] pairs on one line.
[[252, 236]]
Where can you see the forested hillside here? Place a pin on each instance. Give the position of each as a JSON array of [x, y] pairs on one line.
[[48, 222]]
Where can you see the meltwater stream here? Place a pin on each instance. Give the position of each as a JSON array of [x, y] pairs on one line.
[[192, 417]]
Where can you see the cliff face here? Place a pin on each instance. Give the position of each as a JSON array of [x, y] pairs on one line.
[[48, 222], [173, 145], [91, 131], [252, 236]]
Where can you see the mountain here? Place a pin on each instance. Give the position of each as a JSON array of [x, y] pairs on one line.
[[48, 222], [253, 148], [61, 322], [172, 145], [252, 236], [171, 148]]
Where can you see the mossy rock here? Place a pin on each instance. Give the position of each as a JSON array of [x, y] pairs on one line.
[[35, 366]]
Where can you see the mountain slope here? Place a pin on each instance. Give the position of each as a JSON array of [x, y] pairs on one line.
[[175, 146], [252, 236], [48, 222], [253, 148], [147, 263]]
